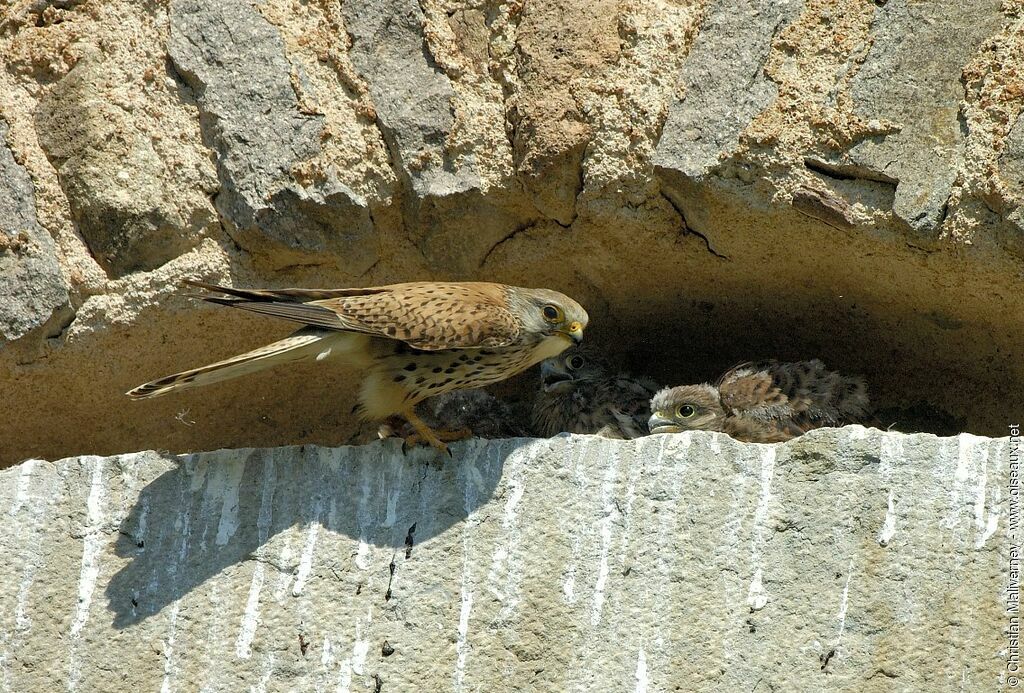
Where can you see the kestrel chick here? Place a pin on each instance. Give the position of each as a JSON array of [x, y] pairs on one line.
[[580, 395], [767, 402], [412, 341]]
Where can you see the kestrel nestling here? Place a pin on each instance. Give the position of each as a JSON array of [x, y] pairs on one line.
[[413, 340], [767, 402], [579, 394]]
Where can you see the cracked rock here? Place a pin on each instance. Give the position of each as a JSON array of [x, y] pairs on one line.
[[32, 290], [916, 84], [723, 84], [412, 97], [234, 61], [134, 209]]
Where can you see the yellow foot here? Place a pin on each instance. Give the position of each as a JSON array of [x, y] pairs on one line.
[[436, 439]]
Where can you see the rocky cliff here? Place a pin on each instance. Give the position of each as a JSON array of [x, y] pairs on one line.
[[846, 560], [715, 180]]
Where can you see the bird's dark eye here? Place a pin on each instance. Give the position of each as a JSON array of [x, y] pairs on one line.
[[552, 313], [575, 362], [686, 411]]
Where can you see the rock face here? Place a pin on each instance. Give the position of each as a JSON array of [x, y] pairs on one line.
[[843, 560], [33, 290], [715, 181]]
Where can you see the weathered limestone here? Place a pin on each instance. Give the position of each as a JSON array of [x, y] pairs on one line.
[[847, 559], [234, 61], [33, 290], [922, 92], [715, 181], [731, 48]]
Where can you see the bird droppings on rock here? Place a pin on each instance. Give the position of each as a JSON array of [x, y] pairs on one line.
[[764, 557]]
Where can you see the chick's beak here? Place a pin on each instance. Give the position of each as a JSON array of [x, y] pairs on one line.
[[573, 331], [659, 424], [554, 377]]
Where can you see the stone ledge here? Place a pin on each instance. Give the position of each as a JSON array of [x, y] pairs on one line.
[[850, 559]]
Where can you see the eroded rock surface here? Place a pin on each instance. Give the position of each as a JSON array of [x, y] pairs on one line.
[[716, 182], [33, 290], [842, 560]]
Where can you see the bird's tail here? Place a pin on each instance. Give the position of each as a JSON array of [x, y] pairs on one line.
[[307, 343]]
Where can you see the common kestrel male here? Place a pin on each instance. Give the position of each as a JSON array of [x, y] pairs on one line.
[[580, 394], [767, 402], [412, 340]]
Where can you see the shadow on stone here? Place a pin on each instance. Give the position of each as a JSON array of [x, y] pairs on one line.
[[214, 510]]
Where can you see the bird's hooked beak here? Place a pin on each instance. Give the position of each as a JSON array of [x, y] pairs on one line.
[[554, 377], [574, 331], [659, 424]]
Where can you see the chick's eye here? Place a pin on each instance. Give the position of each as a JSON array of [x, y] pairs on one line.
[[576, 362], [686, 411], [552, 313]]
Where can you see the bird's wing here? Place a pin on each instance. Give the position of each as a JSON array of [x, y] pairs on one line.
[[753, 390], [803, 395], [425, 315], [763, 431]]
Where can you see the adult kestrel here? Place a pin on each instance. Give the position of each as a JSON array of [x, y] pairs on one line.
[[412, 340], [768, 402], [579, 394]]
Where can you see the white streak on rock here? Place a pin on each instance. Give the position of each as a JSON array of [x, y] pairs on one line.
[[843, 603], [363, 518], [168, 648], [232, 480], [988, 527], [91, 550], [889, 525], [579, 476], [306, 561], [362, 645], [462, 644], [183, 529], [284, 578], [757, 597], [679, 447], [890, 450], [395, 492], [250, 618], [470, 475], [969, 448], [609, 513], [506, 569], [767, 472], [979, 494], [24, 481], [641, 672]]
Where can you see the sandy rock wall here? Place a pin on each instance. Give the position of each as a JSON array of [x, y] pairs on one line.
[[716, 181], [848, 559]]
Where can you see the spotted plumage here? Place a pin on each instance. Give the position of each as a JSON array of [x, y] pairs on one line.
[[580, 394], [413, 340], [766, 402]]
